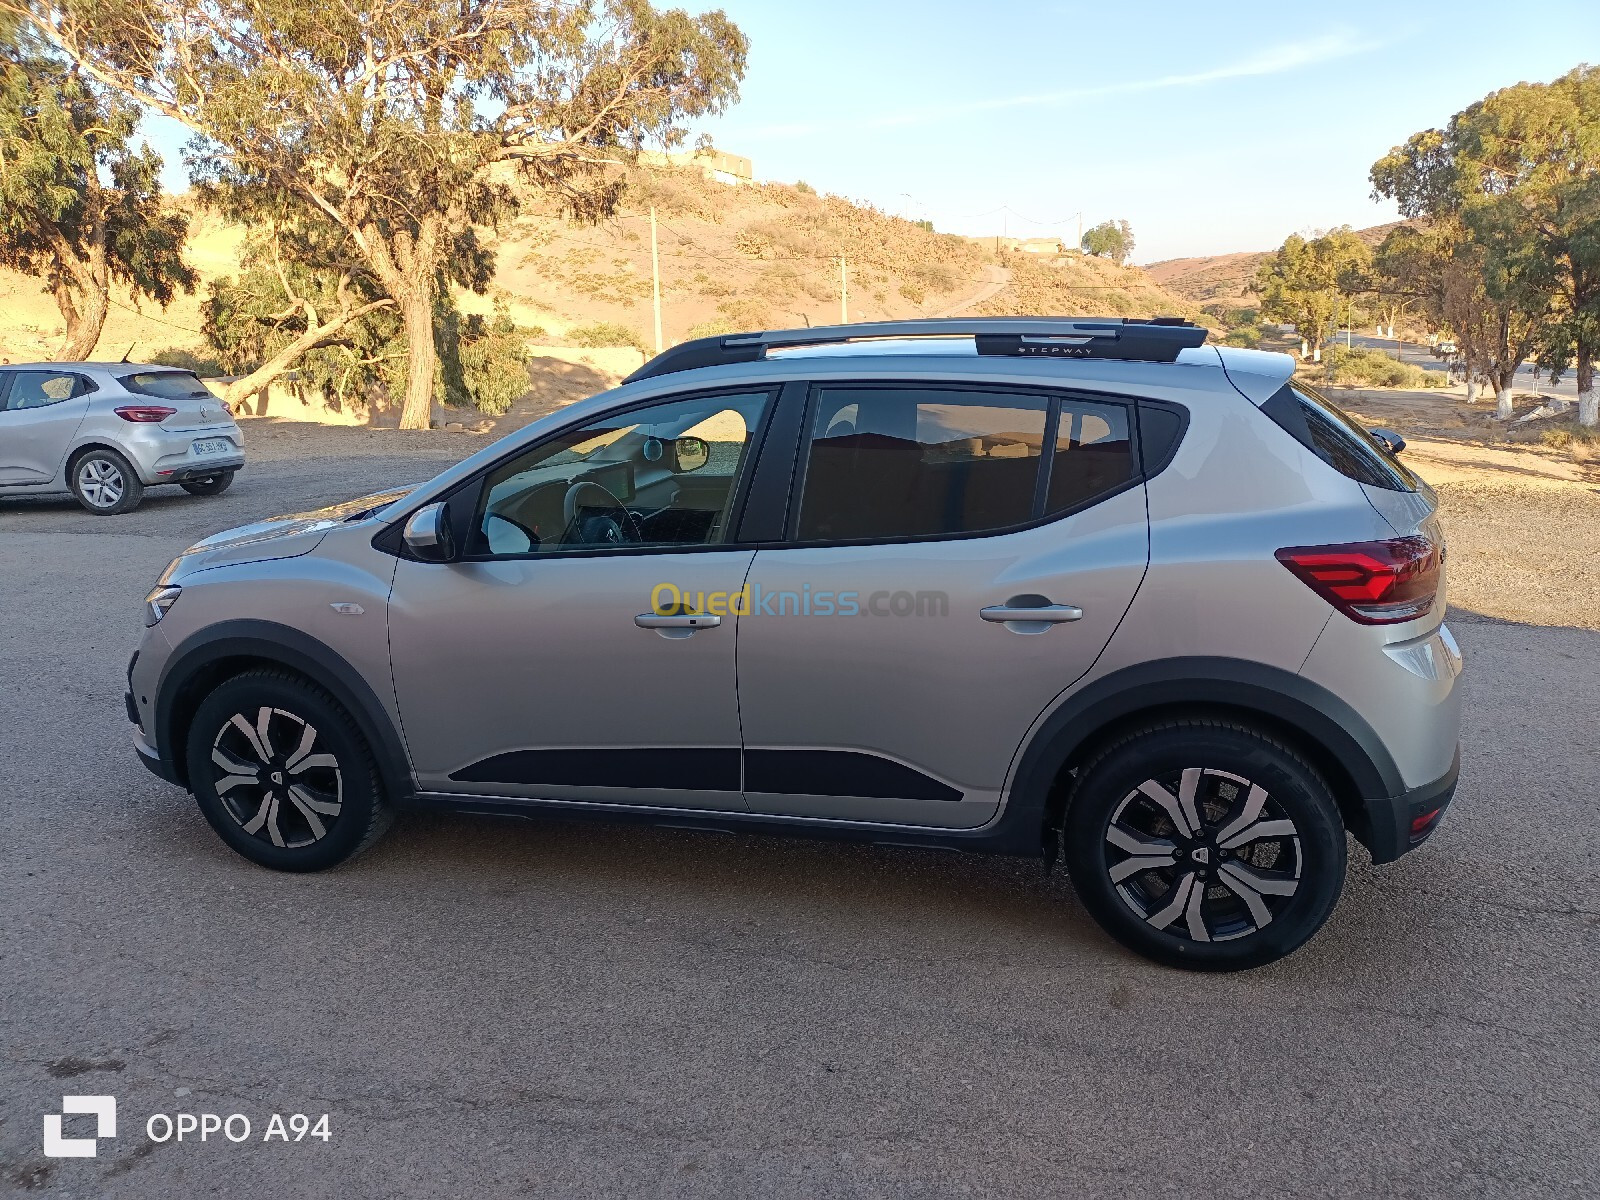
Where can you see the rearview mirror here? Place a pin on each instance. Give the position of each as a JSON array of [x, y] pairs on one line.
[[692, 453], [1392, 441], [427, 534]]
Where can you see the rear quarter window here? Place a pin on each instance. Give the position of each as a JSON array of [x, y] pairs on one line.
[[1336, 438], [167, 385]]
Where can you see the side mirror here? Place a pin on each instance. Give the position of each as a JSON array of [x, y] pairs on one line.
[[1392, 441], [692, 453], [427, 534]]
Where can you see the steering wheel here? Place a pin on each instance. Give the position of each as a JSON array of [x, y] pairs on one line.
[[601, 528]]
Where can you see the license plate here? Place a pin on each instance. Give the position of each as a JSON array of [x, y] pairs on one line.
[[219, 446]]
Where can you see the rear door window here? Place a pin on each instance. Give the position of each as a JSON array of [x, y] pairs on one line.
[[1093, 454], [915, 462]]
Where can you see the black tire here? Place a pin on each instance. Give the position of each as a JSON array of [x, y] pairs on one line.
[[213, 485], [313, 804], [1219, 767], [104, 482]]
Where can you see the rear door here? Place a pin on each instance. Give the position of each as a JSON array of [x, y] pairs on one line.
[[956, 557], [40, 411]]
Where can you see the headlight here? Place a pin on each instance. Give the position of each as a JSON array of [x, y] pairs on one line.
[[158, 601]]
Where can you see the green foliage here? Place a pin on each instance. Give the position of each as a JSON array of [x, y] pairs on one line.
[[1361, 367], [804, 188], [79, 206], [1109, 239], [490, 361], [925, 225], [1247, 336], [1511, 192], [207, 366], [1308, 282], [606, 333]]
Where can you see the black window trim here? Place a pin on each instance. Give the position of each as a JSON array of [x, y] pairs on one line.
[[1054, 397], [462, 500]]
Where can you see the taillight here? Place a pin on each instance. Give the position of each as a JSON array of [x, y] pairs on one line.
[[145, 414], [1374, 583]]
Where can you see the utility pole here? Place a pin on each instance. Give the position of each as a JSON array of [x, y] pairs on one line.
[[655, 276], [844, 291]]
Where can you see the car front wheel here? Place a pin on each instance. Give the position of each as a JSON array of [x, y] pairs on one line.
[[1205, 845], [283, 774]]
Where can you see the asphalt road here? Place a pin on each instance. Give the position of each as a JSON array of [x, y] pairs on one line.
[[1528, 376], [487, 1007]]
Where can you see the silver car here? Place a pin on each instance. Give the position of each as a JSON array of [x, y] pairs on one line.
[[1088, 589], [106, 431]]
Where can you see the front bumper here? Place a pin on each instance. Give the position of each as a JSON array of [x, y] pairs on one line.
[[1398, 824]]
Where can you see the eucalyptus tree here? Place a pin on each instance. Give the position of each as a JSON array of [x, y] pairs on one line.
[[1518, 174], [407, 124], [80, 204]]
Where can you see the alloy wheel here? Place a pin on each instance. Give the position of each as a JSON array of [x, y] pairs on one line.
[[101, 482], [1203, 854], [275, 778]]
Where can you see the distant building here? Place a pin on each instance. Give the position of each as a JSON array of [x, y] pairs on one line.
[[1053, 247], [715, 164]]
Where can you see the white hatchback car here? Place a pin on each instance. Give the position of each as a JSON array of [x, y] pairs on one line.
[[107, 431]]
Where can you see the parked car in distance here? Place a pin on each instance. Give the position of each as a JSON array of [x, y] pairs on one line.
[[106, 431], [1444, 348], [1073, 587]]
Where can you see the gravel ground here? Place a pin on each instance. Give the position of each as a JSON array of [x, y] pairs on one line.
[[494, 1007]]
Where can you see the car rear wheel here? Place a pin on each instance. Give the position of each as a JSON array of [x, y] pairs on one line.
[[211, 485], [105, 483], [1205, 845], [283, 774]]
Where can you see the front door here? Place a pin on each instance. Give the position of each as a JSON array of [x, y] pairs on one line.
[[40, 411], [959, 557], [584, 650]]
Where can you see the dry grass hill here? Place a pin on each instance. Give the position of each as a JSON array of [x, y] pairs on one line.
[[732, 257], [1228, 279]]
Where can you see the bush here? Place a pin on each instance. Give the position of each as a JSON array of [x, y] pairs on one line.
[[804, 188], [1373, 368], [712, 328], [1247, 336], [605, 333], [206, 366]]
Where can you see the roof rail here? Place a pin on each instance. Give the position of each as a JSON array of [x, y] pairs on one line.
[[1158, 339]]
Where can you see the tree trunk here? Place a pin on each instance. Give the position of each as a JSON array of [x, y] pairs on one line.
[[1502, 409], [1391, 333], [1316, 353], [1305, 349], [1588, 399], [422, 355], [84, 310], [261, 378]]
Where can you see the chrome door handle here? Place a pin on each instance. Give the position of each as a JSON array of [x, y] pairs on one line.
[[1052, 614], [677, 621]]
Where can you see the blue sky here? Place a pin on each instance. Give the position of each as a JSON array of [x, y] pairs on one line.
[[1210, 128]]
